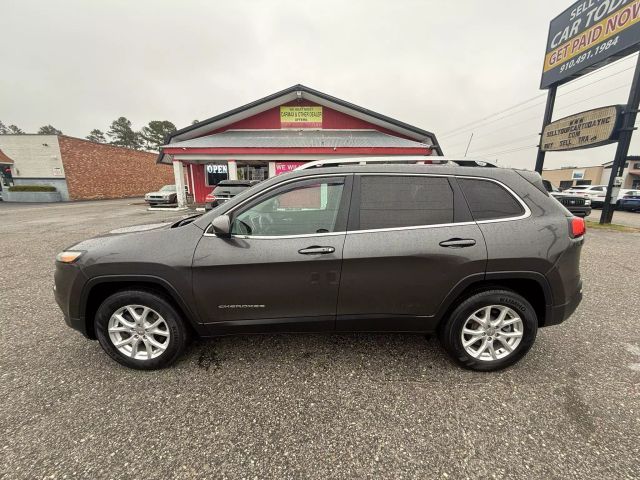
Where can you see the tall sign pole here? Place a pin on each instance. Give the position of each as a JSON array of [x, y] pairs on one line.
[[548, 114], [624, 141], [583, 38]]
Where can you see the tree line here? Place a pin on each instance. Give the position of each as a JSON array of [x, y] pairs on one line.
[[120, 133]]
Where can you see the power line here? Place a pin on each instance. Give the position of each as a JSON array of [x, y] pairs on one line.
[[533, 118], [521, 138], [464, 128], [509, 151]]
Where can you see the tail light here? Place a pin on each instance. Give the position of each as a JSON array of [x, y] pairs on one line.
[[578, 227], [210, 197]]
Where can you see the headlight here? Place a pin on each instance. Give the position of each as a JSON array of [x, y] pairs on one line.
[[68, 256], [587, 202]]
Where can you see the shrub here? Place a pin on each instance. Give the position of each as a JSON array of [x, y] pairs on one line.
[[32, 188]]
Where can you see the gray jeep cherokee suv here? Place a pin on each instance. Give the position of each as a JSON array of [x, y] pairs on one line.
[[482, 256]]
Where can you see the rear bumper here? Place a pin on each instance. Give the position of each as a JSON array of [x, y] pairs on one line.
[[559, 313]]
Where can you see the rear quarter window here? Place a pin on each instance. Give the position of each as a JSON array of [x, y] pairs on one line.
[[488, 200]]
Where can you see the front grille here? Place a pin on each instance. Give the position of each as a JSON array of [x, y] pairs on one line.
[[572, 202]]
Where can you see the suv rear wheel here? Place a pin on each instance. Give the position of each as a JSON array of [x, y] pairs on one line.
[[490, 330], [140, 329]]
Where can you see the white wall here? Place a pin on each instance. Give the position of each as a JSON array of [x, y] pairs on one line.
[[34, 156], [37, 160]]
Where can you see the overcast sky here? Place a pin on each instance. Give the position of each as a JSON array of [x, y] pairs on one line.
[[438, 65]]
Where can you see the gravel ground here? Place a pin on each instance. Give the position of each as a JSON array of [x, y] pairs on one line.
[[310, 406]]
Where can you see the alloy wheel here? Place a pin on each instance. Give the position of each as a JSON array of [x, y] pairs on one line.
[[492, 333], [139, 332]]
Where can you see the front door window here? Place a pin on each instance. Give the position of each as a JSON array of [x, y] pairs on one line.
[[306, 207]]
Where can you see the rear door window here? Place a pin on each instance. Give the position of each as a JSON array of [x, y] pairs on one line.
[[488, 200], [404, 201]]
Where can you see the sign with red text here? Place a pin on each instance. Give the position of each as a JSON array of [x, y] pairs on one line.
[[284, 167], [587, 35]]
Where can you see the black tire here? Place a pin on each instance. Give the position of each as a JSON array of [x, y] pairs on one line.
[[451, 329], [179, 333]]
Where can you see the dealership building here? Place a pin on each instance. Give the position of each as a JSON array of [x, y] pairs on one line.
[[567, 177], [277, 133]]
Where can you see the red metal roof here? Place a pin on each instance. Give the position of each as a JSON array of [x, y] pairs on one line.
[[4, 159]]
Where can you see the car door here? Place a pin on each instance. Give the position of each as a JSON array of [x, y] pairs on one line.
[[411, 240], [281, 266]]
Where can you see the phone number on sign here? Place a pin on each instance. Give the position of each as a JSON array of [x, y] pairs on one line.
[[603, 47]]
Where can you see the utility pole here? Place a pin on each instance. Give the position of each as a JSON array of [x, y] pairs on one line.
[[468, 145], [624, 140], [548, 114]]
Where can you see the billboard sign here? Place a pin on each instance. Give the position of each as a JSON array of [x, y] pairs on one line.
[[582, 130], [301, 117], [587, 35]]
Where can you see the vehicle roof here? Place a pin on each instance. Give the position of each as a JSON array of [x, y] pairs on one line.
[[403, 168], [507, 175]]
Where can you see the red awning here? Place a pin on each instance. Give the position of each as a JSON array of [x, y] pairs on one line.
[[4, 160]]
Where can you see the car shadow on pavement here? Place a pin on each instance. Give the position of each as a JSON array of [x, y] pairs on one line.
[[378, 357]]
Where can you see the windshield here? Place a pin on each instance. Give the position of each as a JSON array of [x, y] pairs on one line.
[[168, 188]]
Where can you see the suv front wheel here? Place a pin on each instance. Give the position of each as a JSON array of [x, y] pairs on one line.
[[140, 329], [490, 330]]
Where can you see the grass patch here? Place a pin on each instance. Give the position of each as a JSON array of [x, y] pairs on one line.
[[32, 188], [611, 227]]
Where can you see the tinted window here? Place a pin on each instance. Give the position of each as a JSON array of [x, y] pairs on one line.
[[397, 201], [300, 209], [488, 200]]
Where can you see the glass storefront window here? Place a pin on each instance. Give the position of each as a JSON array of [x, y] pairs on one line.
[[215, 173], [253, 171]]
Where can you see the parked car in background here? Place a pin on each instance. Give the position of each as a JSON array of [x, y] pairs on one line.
[[579, 205], [482, 256], [596, 193], [225, 191], [630, 202], [167, 195]]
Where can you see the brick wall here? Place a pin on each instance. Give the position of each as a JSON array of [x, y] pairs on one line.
[[95, 170]]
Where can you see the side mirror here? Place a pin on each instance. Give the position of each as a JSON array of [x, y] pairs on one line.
[[222, 226]]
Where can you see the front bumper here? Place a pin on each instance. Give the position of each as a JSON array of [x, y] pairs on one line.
[[580, 211], [69, 282], [160, 201], [559, 313]]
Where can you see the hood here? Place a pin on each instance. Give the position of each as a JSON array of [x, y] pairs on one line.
[[566, 195], [107, 237], [132, 230], [160, 193]]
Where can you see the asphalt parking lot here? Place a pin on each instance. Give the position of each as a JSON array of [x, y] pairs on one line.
[[310, 406]]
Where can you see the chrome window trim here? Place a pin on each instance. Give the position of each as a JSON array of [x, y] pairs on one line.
[[526, 214]]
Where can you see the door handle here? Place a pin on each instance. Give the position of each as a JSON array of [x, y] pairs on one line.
[[458, 243], [316, 250]]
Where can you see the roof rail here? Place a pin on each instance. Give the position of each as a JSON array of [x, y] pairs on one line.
[[424, 159]]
